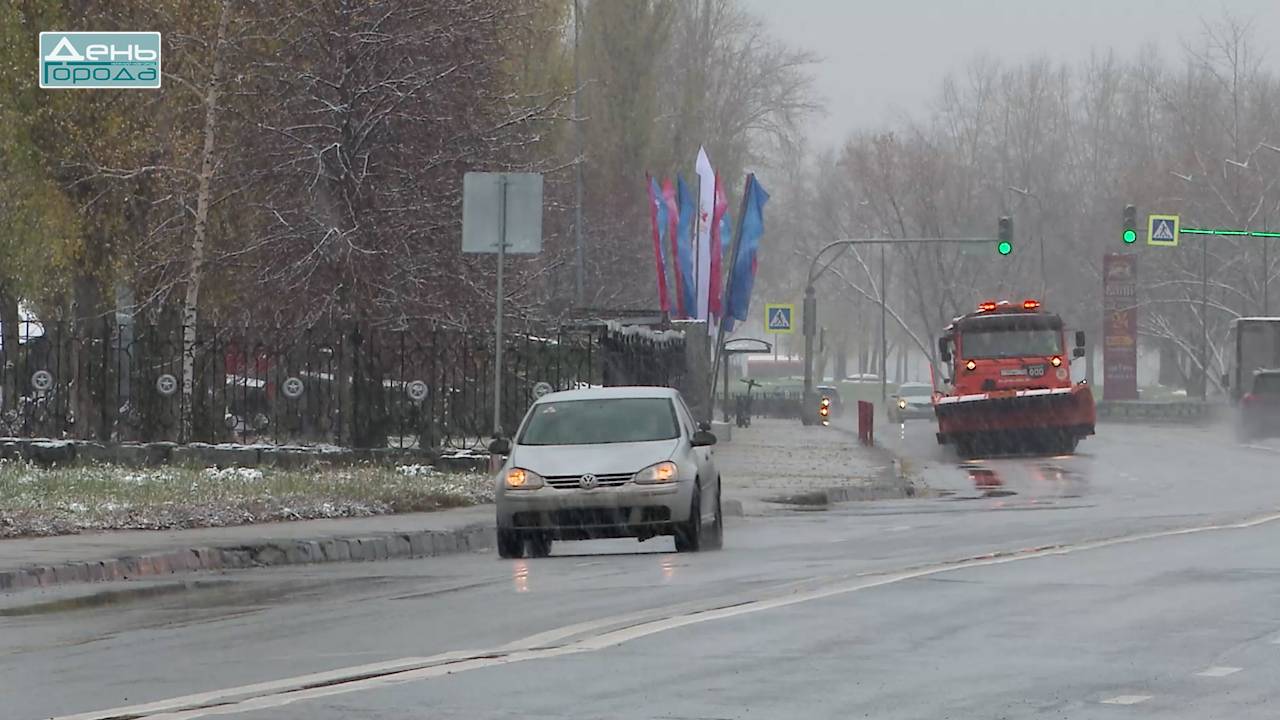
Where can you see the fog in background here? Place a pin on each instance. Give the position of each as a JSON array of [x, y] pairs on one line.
[[885, 59]]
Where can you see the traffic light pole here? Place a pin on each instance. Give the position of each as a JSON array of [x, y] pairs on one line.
[[810, 320]]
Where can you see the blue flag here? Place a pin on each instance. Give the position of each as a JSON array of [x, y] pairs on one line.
[[743, 274], [659, 217], [684, 228], [726, 232]]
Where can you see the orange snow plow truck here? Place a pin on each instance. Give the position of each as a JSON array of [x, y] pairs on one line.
[[1009, 387]]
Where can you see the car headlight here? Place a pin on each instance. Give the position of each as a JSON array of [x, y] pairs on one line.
[[902, 404], [521, 479], [663, 472]]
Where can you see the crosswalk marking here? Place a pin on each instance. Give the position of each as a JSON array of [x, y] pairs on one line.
[[1126, 700], [1218, 671]]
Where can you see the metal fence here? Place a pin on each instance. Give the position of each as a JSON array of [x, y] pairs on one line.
[[347, 386], [771, 404]]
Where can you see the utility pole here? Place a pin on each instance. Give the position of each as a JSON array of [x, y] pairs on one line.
[[579, 244], [1044, 277], [1204, 318], [884, 338]]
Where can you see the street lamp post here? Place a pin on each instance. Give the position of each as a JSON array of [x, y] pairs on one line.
[[1266, 264], [809, 322], [1204, 303], [1026, 193]]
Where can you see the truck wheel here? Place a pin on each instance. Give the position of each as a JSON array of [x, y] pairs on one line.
[[1067, 445]]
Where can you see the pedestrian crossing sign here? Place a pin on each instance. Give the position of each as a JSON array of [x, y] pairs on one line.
[[1163, 230], [778, 318]]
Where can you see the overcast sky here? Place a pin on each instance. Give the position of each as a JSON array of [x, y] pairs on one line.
[[882, 58]]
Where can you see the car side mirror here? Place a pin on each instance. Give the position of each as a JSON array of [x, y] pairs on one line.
[[1077, 353], [944, 350], [500, 446], [1080, 341], [703, 438]]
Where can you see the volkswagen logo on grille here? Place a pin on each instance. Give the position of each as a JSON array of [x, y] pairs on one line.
[[588, 482]]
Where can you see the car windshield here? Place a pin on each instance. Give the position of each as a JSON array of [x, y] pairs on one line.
[[978, 344], [915, 391], [603, 421]]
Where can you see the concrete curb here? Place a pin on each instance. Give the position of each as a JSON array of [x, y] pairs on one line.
[[382, 546]]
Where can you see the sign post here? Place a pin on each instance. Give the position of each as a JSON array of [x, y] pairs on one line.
[[1120, 326], [497, 315], [501, 213]]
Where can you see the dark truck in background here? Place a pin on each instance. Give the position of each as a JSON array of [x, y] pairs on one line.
[[1253, 376], [1254, 345]]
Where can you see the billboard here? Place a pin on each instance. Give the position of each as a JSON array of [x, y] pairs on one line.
[[1120, 327]]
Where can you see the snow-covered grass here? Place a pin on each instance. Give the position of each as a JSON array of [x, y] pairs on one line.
[[40, 501]]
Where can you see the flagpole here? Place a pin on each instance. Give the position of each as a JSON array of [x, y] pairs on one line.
[[696, 244], [697, 293], [724, 305]]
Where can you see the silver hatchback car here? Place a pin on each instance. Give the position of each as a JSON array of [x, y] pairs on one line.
[[608, 463]]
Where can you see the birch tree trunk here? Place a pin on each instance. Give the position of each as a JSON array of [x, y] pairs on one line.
[[191, 303]]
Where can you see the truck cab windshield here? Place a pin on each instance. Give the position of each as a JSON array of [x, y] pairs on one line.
[[1010, 343]]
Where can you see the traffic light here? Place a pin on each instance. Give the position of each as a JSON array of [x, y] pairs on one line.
[[1130, 234], [824, 409], [1005, 244]]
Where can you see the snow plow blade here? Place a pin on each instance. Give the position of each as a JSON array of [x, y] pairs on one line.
[[1055, 418]]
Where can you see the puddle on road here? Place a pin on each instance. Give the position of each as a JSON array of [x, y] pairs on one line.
[[235, 596], [109, 598]]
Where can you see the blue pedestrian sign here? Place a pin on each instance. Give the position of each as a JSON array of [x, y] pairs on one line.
[[778, 318], [1163, 230]]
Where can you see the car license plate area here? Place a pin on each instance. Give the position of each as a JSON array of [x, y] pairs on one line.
[[592, 517]]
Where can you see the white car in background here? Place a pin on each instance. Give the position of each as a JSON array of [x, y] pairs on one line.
[[608, 463], [912, 400]]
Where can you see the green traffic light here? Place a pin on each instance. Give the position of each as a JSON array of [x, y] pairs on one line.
[[1130, 237], [1005, 247]]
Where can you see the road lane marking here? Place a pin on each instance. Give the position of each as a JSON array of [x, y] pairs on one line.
[[1218, 671], [344, 680], [1126, 700]]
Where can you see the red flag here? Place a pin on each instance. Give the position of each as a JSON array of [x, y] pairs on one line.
[[673, 220], [721, 206], [663, 301]]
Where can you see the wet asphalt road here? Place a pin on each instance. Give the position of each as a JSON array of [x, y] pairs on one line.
[[934, 607]]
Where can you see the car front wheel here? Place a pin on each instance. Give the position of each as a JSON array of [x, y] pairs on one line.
[[510, 544], [714, 540], [688, 535]]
